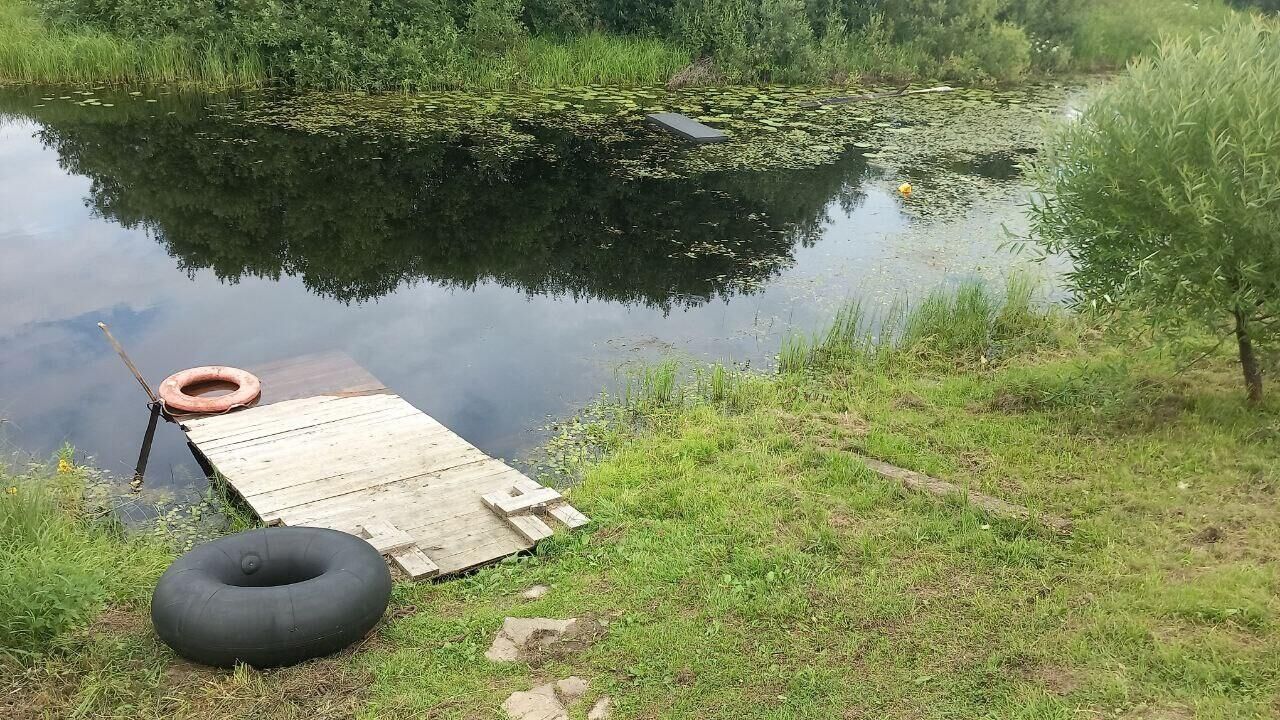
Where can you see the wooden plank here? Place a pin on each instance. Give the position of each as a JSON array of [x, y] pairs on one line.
[[333, 374], [569, 516], [300, 499], [687, 128], [312, 425], [296, 465], [508, 504], [476, 554], [403, 498], [340, 451], [415, 563], [941, 488], [289, 416], [530, 527], [385, 537], [210, 427]]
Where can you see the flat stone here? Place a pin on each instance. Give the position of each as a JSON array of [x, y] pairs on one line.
[[518, 636], [535, 592], [540, 703], [532, 638], [570, 689], [602, 710]]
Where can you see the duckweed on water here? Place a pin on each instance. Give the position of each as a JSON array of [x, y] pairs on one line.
[[954, 148], [926, 140]]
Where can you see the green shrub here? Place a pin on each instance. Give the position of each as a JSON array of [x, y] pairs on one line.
[[379, 44], [493, 26], [60, 565], [715, 28], [782, 41], [557, 18], [1165, 195], [1262, 5]]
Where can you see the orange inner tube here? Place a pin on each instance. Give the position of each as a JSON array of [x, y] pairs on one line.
[[173, 389]]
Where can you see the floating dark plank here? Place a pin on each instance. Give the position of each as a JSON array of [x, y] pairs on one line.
[[688, 128]]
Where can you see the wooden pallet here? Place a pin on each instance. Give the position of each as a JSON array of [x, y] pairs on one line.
[[371, 464]]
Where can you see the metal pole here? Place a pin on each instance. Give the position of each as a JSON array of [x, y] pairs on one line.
[[128, 362]]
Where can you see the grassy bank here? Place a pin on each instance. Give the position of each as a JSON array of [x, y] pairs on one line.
[[752, 567], [490, 44], [62, 562]]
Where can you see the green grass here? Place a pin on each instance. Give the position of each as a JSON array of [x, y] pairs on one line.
[[30, 53], [602, 60], [61, 564], [751, 567], [1105, 36], [1112, 33]]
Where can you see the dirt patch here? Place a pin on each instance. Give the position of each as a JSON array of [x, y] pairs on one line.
[[1055, 679], [115, 621], [910, 401], [842, 521], [316, 690], [1209, 535], [700, 72], [1162, 712], [827, 431]]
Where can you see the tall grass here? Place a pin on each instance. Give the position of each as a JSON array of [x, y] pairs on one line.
[[602, 59], [969, 326], [593, 59], [61, 565], [33, 53], [1109, 33]]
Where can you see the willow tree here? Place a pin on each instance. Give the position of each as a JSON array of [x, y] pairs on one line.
[[1165, 192]]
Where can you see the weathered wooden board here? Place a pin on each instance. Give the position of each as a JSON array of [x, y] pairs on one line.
[[920, 482], [365, 461], [687, 128], [330, 373]]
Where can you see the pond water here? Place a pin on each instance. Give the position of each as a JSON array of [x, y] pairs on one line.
[[498, 260]]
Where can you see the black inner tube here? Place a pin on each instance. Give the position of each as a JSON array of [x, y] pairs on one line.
[[271, 597]]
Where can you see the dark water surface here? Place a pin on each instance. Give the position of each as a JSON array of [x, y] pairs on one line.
[[491, 293]]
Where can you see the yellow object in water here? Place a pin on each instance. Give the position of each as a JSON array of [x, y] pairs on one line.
[[905, 189]]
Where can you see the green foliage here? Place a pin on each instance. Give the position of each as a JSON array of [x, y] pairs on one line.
[[1269, 6], [61, 565], [1109, 34], [494, 26], [557, 18], [33, 53], [1165, 194], [382, 44]]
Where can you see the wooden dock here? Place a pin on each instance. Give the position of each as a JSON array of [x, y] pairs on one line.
[[328, 445]]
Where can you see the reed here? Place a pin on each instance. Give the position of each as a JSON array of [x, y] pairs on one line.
[[598, 59]]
